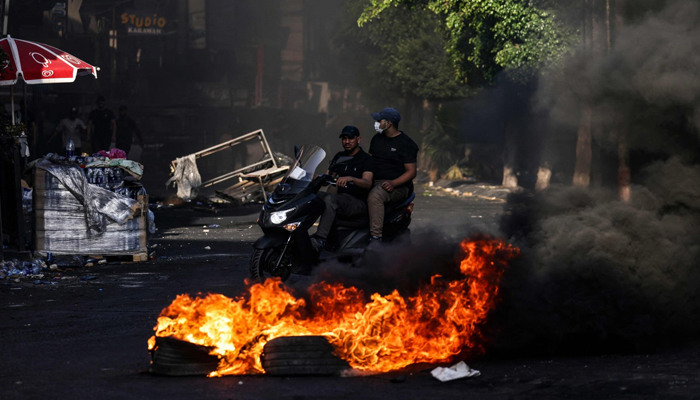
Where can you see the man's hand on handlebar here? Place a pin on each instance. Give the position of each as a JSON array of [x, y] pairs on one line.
[[345, 181]]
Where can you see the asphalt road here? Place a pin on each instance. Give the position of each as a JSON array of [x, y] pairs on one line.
[[84, 337]]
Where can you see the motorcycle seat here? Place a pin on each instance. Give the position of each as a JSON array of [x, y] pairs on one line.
[[363, 222]]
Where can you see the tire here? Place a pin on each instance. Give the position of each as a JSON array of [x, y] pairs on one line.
[[263, 264], [301, 355], [174, 357]]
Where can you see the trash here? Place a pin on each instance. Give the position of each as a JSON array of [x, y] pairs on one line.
[[88, 278], [186, 177], [89, 265], [14, 268], [102, 261], [214, 226], [457, 371], [151, 222], [207, 248]]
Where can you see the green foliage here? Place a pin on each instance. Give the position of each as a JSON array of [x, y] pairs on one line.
[[442, 143], [401, 53], [485, 37]]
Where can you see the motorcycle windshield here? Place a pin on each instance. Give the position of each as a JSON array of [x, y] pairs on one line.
[[301, 173]]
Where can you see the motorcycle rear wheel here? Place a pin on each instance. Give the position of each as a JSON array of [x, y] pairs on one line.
[[263, 264]]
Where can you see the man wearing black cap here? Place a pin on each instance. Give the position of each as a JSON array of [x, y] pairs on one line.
[[394, 155], [102, 128], [354, 182]]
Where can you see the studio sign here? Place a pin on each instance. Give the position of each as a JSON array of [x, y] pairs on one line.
[[146, 25]]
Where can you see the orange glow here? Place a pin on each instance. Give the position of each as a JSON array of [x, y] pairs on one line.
[[381, 334]]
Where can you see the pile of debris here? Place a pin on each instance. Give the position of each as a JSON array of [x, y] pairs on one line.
[[252, 182]]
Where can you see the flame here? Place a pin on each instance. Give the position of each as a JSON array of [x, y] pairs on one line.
[[383, 334]]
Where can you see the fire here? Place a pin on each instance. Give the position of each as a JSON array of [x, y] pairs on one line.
[[385, 333]]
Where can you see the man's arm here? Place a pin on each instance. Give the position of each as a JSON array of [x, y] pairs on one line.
[[411, 172], [365, 182]]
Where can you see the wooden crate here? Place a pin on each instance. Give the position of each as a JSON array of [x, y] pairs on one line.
[[60, 226]]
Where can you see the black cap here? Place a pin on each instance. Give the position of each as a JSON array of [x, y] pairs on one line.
[[101, 98], [388, 114], [350, 131], [123, 108]]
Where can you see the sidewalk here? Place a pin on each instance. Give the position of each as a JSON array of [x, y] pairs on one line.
[[465, 188]]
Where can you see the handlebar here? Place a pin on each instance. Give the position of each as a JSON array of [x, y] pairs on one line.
[[332, 181]]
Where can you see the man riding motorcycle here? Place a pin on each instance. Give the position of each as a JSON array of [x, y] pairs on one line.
[[354, 179]]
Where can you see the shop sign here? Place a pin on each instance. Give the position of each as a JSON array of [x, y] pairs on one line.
[[137, 24]]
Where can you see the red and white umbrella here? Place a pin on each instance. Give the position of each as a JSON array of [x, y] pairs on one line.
[[39, 63]]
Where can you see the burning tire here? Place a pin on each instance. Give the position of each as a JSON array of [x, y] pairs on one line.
[[301, 355], [266, 263], [176, 357]]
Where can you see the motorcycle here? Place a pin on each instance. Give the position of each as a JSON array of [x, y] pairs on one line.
[[292, 210]]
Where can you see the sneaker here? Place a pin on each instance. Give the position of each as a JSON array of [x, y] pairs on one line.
[[375, 239], [318, 243]]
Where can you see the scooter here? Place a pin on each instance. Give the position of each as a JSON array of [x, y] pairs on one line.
[[292, 210]]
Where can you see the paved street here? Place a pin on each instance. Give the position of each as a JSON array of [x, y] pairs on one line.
[[84, 337]]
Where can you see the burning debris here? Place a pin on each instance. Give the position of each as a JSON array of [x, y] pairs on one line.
[[381, 334]]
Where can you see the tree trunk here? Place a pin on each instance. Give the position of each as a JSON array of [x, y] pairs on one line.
[[584, 154], [544, 175], [510, 179], [623, 172]]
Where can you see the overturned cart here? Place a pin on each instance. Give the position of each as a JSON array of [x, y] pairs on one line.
[[251, 182], [80, 212]]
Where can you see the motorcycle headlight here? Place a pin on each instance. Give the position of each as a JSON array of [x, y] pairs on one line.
[[278, 217]]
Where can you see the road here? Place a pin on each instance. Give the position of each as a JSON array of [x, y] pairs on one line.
[[84, 337]]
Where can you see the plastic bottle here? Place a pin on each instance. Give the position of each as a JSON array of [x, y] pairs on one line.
[[99, 177], [108, 178], [70, 148], [118, 177]]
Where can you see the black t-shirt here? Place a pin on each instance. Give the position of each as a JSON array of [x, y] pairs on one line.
[[102, 120], [126, 128], [360, 163], [390, 155]]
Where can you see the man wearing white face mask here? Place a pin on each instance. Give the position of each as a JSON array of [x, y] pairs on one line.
[[394, 155]]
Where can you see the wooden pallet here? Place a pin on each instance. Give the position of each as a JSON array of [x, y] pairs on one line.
[[136, 257]]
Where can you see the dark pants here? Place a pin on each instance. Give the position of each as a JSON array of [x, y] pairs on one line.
[[378, 196], [341, 205]]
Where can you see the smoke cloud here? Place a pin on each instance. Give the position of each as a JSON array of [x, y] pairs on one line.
[[597, 272]]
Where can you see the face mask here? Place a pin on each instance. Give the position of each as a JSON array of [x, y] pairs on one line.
[[377, 127]]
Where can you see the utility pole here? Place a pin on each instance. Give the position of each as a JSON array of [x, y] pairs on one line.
[[5, 11]]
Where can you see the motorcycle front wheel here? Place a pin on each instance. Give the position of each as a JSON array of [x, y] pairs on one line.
[[266, 263]]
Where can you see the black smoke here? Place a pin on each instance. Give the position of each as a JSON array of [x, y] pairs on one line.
[[599, 274]]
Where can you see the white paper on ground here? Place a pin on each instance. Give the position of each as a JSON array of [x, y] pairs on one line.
[[457, 371]]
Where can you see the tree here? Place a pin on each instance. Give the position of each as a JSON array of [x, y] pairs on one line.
[[489, 36], [400, 55], [485, 38]]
